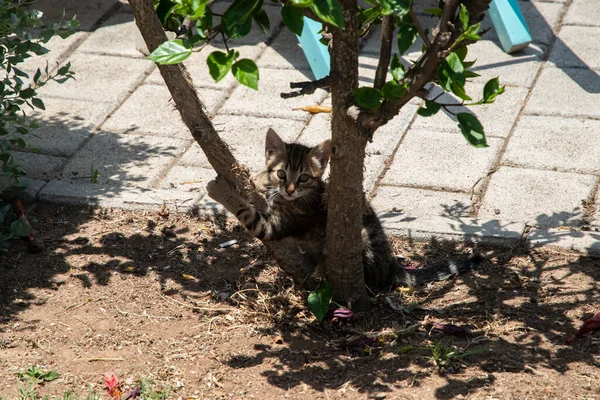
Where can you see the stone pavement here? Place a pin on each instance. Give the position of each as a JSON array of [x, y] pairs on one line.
[[538, 179]]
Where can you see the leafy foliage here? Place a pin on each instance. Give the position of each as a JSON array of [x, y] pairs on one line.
[[320, 300]]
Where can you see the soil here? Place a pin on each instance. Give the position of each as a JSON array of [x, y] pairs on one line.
[[152, 295]]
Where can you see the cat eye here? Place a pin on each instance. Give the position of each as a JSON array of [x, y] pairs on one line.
[[303, 178], [281, 174]]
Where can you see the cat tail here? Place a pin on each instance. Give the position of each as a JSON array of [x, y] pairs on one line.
[[440, 272]]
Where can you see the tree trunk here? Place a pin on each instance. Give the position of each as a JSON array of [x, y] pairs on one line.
[[343, 246]]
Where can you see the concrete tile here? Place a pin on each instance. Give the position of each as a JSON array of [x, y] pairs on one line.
[[583, 12], [412, 203], [115, 37], [192, 179], [150, 110], [374, 165], [585, 242], [246, 137], [572, 50], [285, 52], [99, 78], [32, 187], [567, 91], [555, 143], [65, 125], [453, 228], [60, 50], [39, 167], [198, 69], [518, 69], [267, 101], [124, 159], [88, 12], [113, 195], [497, 118], [541, 198], [384, 141], [440, 160]]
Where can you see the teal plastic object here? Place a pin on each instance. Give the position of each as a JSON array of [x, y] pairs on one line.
[[316, 52], [510, 25]]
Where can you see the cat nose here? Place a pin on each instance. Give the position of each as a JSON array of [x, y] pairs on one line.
[[290, 189]]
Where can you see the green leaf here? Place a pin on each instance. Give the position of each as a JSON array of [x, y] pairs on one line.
[[464, 17], [407, 34], [471, 129], [320, 299], [451, 70], [368, 97], [239, 13], [471, 33], [459, 90], [434, 11], [431, 108], [396, 68], [206, 22], [329, 11], [164, 10], [246, 72], [240, 30], [27, 93], [194, 9], [293, 18], [396, 7], [491, 90], [20, 228], [392, 91], [49, 376], [462, 53], [170, 52], [471, 74], [301, 3], [262, 19], [219, 64]]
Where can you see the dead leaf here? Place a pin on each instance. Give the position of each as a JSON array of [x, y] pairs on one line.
[[314, 109], [588, 326]]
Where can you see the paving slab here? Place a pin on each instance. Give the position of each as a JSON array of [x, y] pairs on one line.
[[246, 138], [497, 118], [191, 179], [285, 52], [384, 141], [88, 12], [418, 203], [541, 198], [459, 229], [583, 12], [440, 160], [65, 124], [150, 110], [40, 167], [546, 142], [124, 159], [566, 92], [59, 191], [267, 101], [60, 50], [571, 51], [516, 69], [115, 37], [100, 78], [582, 241]]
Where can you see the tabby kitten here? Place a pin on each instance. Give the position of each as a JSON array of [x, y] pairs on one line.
[[295, 193]]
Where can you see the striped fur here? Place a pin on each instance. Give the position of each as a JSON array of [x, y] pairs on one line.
[[295, 192]]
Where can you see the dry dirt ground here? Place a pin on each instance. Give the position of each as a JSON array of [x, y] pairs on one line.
[[151, 295]]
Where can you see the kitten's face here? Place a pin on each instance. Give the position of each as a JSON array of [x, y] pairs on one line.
[[294, 169]]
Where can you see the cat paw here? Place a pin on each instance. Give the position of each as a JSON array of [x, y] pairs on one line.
[[218, 189]]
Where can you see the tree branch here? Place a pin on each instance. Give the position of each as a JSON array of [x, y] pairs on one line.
[[417, 24], [309, 87], [424, 69], [385, 52]]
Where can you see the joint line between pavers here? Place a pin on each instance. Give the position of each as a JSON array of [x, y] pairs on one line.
[[548, 169], [569, 116], [480, 194], [422, 187]]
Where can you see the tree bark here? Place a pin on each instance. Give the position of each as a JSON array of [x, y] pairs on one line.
[[343, 246]]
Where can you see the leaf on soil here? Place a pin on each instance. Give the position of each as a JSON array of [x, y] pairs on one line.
[[112, 385], [449, 329], [314, 109], [588, 326]]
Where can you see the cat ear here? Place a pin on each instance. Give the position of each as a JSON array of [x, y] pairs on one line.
[[321, 153], [273, 144]]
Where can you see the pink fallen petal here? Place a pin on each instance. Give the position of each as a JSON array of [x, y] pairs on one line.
[[588, 326]]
